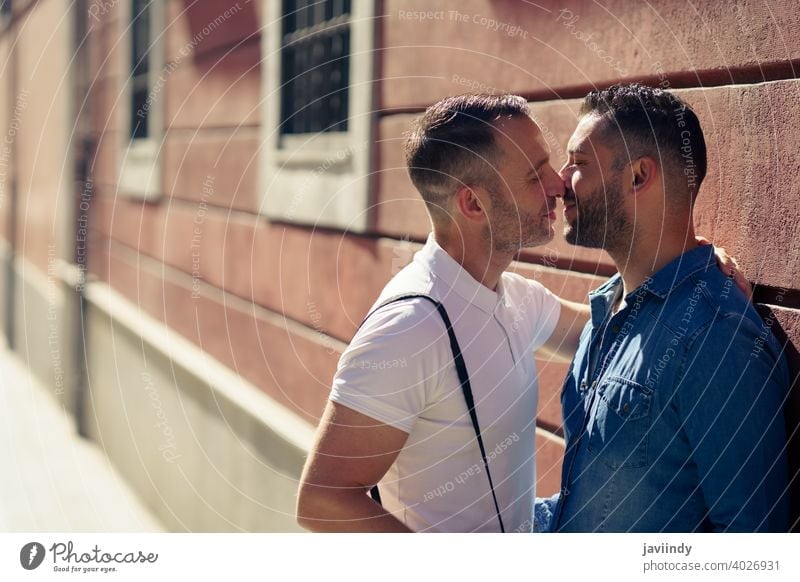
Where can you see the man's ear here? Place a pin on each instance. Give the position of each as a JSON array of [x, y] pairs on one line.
[[468, 203], [644, 172]]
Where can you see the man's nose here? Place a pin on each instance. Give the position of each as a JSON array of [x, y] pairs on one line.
[[555, 187], [565, 174]]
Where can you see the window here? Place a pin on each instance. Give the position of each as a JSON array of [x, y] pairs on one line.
[[140, 68], [140, 174], [315, 54], [318, 111]]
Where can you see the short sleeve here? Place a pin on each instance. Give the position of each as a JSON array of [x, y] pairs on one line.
[[545, 316], [535, 308], [393, 367]]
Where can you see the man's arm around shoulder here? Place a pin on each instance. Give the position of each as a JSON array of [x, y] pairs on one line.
[[563, 342]]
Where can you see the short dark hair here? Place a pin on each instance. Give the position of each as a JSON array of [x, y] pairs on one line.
[[654, 122], [453, 144]]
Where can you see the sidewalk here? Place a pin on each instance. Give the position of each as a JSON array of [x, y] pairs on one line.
[[52, 480]]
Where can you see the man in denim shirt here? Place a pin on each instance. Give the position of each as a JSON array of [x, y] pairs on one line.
[[673, 402]]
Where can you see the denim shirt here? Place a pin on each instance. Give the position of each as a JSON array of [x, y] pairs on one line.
[[673, 410]]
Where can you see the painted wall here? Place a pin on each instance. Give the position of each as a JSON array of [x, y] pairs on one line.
[[276, 303]]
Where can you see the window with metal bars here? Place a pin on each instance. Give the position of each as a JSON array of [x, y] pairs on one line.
[[315, 62], [140, 169], [140, 68]]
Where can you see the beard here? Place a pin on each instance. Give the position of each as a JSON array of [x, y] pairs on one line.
[[600, 221], [512, 229]]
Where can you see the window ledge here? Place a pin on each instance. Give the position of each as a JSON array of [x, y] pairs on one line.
[[140, 171]]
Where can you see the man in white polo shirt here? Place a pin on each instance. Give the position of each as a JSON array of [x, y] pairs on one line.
[[397, 414]]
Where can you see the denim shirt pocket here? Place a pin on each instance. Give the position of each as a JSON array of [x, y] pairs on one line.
[[621, 424]]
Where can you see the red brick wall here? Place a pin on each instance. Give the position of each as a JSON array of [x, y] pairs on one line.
[[278, 302]]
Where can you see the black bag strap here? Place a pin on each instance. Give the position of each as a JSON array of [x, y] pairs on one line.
[[466, 388]]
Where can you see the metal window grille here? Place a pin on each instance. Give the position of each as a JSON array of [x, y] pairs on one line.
[[315, 62], [140, 68]]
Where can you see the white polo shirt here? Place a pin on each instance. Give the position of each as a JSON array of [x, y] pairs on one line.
[[399, 370]]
